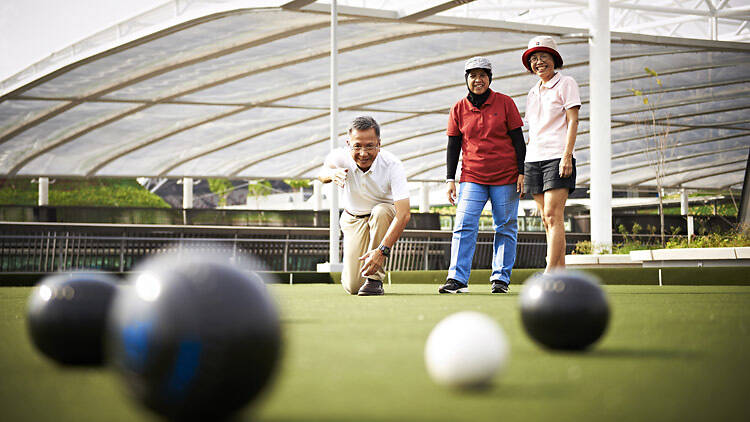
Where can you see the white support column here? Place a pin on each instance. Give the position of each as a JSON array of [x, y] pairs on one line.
[[187, 192], [333, 253], [684, 210], [317, 201], [683, 202], [424, 197], [600, 129], [43, 191]]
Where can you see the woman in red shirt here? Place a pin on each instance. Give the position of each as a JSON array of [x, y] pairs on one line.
[[485, 127]]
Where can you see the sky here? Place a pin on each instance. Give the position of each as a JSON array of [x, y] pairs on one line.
[[30, 30]]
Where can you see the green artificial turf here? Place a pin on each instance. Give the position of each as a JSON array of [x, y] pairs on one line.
[[672, 353]]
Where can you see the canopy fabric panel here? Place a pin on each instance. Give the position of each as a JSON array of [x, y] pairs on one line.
[[244, 93]]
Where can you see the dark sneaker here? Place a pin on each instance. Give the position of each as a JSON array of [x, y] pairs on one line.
[[371, 288], [499, 287], [453, 286]]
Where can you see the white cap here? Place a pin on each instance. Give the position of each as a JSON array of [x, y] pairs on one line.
[[478, 62], [541, 43]]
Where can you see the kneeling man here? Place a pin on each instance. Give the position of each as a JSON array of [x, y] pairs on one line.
[[375, 201]]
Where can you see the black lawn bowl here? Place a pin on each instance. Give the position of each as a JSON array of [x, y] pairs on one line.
[[67, 317], [564, 310], [196, 338]]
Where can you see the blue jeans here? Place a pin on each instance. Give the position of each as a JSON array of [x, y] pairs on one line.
[[471, 200]]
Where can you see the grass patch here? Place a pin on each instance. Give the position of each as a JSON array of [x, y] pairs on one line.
[[671, 353], [106, 192]]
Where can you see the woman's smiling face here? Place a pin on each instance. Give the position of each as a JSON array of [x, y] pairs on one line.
[[478, 81], [542, 64]]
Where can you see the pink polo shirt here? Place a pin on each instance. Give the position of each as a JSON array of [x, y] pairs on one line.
[[545, 113]]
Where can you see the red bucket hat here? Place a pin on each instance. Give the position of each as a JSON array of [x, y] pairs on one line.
[[542, 43]]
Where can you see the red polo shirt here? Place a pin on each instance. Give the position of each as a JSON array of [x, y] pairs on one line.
[[488, 154]]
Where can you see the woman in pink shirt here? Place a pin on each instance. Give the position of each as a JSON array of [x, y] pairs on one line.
[[552, 114]]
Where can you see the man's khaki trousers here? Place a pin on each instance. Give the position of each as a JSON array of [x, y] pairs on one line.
[[362, 234]]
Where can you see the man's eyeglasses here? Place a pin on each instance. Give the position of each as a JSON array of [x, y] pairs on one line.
[[368, 148]]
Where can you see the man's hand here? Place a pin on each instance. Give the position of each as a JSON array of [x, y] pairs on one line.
[[519, 185], [338, 176], [372, 262], [451, 190]]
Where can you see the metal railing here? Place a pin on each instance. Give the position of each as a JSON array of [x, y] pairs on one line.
[[49, 247]]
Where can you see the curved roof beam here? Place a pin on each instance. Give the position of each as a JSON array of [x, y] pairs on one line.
[[672, 173], [421, 154], [413, 174], [148, 142], [288, 148], [467, 24], [296, 93], [577, 64], [146, 105], [9, 131], [435, 165], [676, 145], [671, 160], [325, 85], [319, 161], [683, 128], [736, 12], [139, 77], [75, 135], [707, 98], [585, 163], [640, 75], [717, 173], [305, 55], [433, 8], [101, 164], [110, 51]]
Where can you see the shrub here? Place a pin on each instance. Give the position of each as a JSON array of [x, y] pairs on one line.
[[734, 238], [583, 248], [81, 192]]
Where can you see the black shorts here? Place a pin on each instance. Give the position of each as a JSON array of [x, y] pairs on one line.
[[541, 176]]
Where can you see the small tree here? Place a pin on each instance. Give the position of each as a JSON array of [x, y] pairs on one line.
[[657, 140], [258, 189], [297, 184], [221, 188]]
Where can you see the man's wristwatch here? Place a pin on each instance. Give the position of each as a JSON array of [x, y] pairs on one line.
[[385, 250]]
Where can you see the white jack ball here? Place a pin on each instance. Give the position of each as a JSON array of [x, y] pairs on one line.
[[466, 350]]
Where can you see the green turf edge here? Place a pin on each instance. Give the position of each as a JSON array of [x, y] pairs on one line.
[[712, 276], [709, 276], [300, 277]]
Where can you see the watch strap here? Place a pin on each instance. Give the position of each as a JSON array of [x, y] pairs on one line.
[[385, 250]]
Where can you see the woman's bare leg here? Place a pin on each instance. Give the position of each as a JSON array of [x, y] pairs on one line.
[[554, 206]]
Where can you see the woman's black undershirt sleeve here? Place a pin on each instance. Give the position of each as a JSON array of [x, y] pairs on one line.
[[516, 135], [453, 152]]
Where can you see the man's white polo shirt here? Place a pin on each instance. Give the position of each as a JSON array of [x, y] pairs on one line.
[[384, 181]]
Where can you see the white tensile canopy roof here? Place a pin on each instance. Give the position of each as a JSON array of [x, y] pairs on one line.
[[212, 89]]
